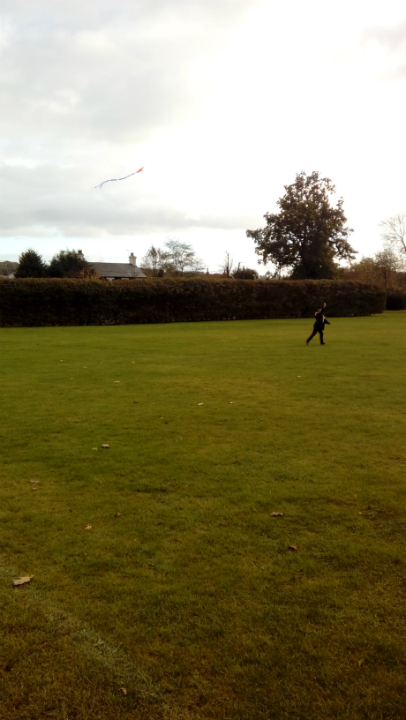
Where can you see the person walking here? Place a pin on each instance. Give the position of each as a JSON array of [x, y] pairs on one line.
[[319, 325]]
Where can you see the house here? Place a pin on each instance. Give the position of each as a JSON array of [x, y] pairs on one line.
[[7, 269], [119, 271]]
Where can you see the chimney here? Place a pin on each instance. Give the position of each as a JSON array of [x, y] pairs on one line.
[[133, 260]]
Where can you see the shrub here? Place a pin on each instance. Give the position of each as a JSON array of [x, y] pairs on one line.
[[36, 302], [245, 274]]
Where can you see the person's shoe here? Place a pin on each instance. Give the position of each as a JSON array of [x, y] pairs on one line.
[[307, 342], [323, 343]]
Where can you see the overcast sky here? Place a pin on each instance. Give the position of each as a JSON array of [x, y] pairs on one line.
[[222, 101]]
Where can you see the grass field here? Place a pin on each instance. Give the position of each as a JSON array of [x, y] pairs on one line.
[[189, 604]]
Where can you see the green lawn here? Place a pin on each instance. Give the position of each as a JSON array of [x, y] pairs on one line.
[[191, 599]]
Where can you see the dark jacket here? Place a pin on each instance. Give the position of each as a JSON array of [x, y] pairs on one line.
[[320, 320]]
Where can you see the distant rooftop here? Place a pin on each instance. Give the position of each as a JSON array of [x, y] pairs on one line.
[[118, 271]]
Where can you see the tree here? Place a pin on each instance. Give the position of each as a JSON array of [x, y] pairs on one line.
[[68, 264], [177, 258], [30, 264], [227, 265], [155, 261], [308, 233], [388, 266], [182, 257], [384, 269], [394, 232], [363, 271]]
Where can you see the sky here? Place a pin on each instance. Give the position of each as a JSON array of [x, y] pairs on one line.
[[222, 101]]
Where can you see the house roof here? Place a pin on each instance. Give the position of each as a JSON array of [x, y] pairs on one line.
[[117, 270]]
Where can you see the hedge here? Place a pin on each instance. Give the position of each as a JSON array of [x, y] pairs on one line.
[[395, 300], [45, 302]]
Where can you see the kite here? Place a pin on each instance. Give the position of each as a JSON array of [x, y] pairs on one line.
[[117, 179]]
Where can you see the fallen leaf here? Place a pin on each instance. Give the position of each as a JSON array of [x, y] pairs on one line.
[[105, 446], [88, 527], [22, 580], [116, 381], [117, 515], [232, 403], [276, 514], [34, 488], [360, 513], [294, 547], [360, 662], [124, 691], [200, 403], [34, 481]]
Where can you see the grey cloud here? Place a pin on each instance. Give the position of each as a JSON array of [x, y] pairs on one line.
[[54, 201], [102, 71], [84, 76]]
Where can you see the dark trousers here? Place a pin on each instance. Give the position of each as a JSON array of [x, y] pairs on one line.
[[316, 330]]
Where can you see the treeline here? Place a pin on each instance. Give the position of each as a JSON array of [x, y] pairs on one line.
[[175, 259], [308, 238], [387, 270], [45, 302], [65, 264]]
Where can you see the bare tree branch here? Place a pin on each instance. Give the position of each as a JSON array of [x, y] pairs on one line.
[[394, 231], [227, 264]]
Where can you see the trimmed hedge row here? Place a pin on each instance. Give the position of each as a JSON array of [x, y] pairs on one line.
[[39, 302], [395, 300]]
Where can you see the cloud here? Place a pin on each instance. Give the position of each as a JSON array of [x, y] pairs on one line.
[[392, 38], [393, 41], [48, 201], [86, 87], [96, 71]]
